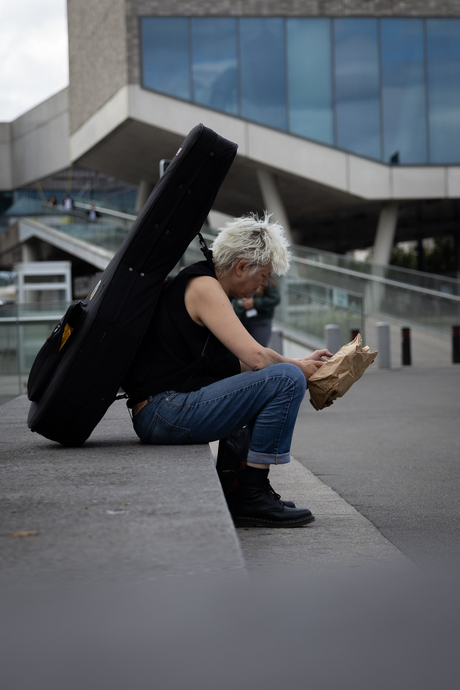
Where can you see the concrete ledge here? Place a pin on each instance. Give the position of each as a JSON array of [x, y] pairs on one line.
[[111, 511]]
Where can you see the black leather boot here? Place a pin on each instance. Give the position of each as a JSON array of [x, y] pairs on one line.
[[277, 497], [255, 504], [231, 459]]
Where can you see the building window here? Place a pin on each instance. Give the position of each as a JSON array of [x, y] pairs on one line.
[[387, 89], [165, 63], [357, 86], [215, 64], [443, 44], [403, 91], [309, 72], [263, 85]]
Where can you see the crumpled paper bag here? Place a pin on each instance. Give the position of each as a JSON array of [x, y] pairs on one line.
[[336, 376]]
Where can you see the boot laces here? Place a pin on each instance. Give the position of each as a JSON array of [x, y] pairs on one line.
[[271, 491]]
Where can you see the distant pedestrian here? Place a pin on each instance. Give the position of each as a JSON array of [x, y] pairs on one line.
[[256, 313], [92, 213], [68, 203]]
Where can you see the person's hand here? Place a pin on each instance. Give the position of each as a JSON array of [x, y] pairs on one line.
[[308, 366], [319, 356], [248, 303]]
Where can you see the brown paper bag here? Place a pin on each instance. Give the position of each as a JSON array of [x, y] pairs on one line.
[[335, 377]]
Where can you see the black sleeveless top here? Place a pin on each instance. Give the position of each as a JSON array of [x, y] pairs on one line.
[[176, 353]]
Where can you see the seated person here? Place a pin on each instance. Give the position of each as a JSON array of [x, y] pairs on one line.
[[199, 375]]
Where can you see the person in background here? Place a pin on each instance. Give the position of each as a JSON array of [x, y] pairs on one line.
[[68, 203], [92, 213], [256, 313]]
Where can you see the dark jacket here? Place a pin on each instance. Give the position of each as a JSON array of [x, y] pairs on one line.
[[264, 303]]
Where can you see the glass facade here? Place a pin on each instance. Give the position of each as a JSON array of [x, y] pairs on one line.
[[443, 52], [215, 64], [165, 56], [263, 85], [356, 67], [384, 88], [309, 74], [403, 91]]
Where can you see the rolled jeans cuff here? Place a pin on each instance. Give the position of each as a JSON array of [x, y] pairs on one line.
[[268, 458]]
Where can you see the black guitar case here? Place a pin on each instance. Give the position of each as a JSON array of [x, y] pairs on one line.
[[77, 373]]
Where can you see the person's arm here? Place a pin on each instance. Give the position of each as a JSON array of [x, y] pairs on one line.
[[209, 306]]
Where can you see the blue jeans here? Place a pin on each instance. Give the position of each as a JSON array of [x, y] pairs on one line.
[[266, 401]]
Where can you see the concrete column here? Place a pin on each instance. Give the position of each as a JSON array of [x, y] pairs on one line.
[[143, 193], [383, 345], [273, 202], [276, 340], [385, 234], [332, 337], [29, 253]]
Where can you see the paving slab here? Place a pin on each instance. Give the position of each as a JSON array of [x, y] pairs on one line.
[[339, 537], [110, 511], [391, 448]]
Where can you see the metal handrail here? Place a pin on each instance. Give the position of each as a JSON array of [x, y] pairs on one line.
[[376, 279], [105, 211]]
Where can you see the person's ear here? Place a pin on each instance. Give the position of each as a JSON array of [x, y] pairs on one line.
[[240, 267]]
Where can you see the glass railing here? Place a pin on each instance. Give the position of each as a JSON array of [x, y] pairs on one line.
[[308, 306], [350, 267], [320, 289], [23, 330], [102, 234], [107, 212], [418, 299]]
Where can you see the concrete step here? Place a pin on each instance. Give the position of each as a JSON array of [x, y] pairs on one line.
[[113, 510]]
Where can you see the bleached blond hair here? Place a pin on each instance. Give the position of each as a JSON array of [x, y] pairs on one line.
[[256, 240]]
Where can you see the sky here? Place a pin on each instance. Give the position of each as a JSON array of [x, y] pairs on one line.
[[33, 53]]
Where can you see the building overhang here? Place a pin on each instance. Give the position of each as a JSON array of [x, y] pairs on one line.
[[136, 128], [36, 144]]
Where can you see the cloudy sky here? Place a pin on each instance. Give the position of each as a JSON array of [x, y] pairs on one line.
[[33, 53]]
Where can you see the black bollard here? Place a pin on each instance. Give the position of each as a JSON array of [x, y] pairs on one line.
[[405, 340], [455, 344], [353, 333]]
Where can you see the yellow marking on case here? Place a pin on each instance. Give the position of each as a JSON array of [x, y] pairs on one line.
[[67, 331]]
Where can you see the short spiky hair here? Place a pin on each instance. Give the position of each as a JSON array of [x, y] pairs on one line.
[[256, 240]]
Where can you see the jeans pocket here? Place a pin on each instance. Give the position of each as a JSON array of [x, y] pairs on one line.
[[162, 432]]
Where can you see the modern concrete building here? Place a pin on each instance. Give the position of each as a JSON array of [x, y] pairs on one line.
[[346, 112]]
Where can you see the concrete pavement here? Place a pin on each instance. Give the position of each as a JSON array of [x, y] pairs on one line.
[[112, 511], [391, 448], [141, 585], [380, 470]]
